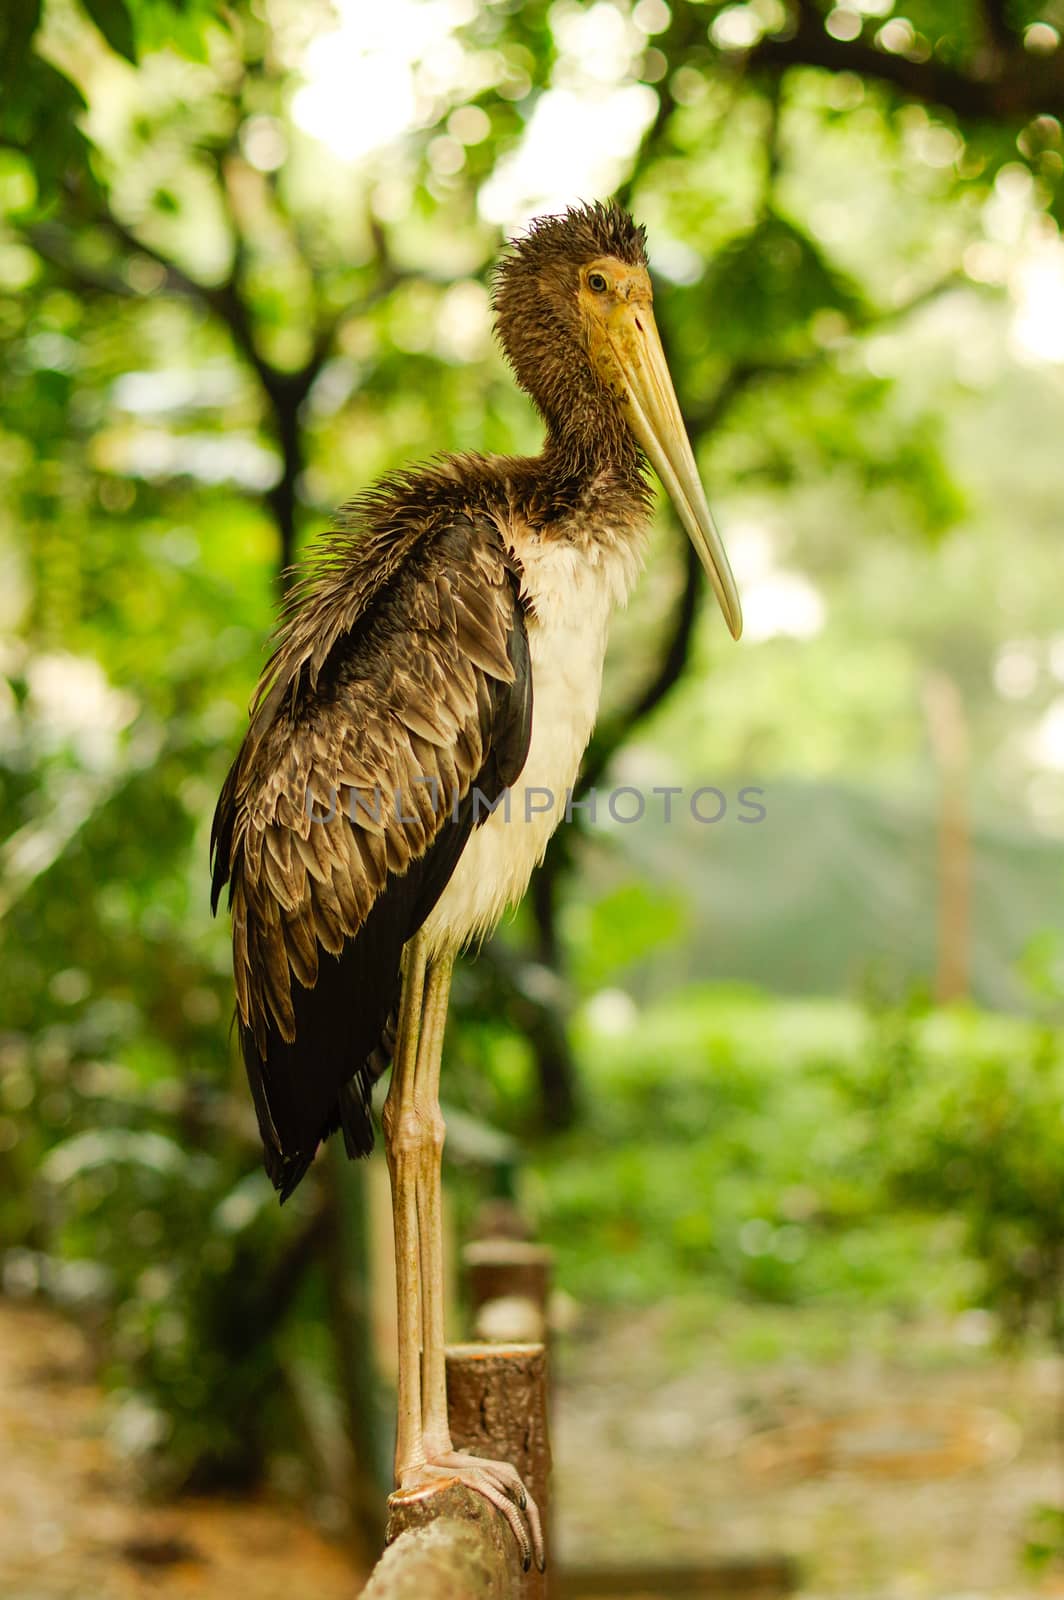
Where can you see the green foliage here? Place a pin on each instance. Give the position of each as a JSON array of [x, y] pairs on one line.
[[855, 441], [816, 1155], [722, 1153], [43, 95], [766, 289], [1044, 1545], [114, 21], [41, 103], [978, 1135], [20, 22], [617, 930]]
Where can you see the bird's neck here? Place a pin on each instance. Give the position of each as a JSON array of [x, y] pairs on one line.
[[588, 451], [588, 440]]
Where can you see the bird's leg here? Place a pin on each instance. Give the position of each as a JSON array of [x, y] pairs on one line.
[[437, 1433], [401, 1149], [414, 1128]]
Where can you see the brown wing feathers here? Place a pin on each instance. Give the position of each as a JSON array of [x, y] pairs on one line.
[[400, 684]]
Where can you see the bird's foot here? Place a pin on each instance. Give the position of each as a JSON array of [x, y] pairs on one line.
[[500, 1484]]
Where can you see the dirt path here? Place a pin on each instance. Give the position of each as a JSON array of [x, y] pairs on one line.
[[905, 1474], [71, 1526]]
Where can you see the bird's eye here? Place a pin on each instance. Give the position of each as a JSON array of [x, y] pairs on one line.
[[598, 282]]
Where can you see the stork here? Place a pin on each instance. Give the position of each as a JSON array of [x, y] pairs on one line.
[[443, 655]]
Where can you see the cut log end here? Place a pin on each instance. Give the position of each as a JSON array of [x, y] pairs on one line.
[[444, 1541]]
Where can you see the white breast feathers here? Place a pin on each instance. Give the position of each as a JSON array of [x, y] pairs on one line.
[[572, 589]]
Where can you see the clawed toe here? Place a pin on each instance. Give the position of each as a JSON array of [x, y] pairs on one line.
[[500, 1484]]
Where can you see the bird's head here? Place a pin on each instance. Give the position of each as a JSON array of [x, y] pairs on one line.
[[575, 314]]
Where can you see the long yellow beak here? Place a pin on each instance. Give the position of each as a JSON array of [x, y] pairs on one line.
[[634, 364]]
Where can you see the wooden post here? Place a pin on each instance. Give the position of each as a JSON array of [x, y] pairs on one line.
[[509, 1286], [445, 1542], [497, 1401]]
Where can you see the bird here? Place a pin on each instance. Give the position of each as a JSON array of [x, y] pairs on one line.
[[413, 743]]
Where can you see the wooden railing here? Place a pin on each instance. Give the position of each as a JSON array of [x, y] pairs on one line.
[[460, 1551]]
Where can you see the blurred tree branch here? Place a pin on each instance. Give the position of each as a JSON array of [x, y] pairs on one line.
[[283, 390], [999, 32], [1007, 84]]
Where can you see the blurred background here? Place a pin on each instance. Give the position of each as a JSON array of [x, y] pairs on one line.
[[783, 1097]]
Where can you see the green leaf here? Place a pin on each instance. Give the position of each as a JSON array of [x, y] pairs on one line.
[[40, 114], [180, 25], [115, 23], [766, 287], [18, 24]]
